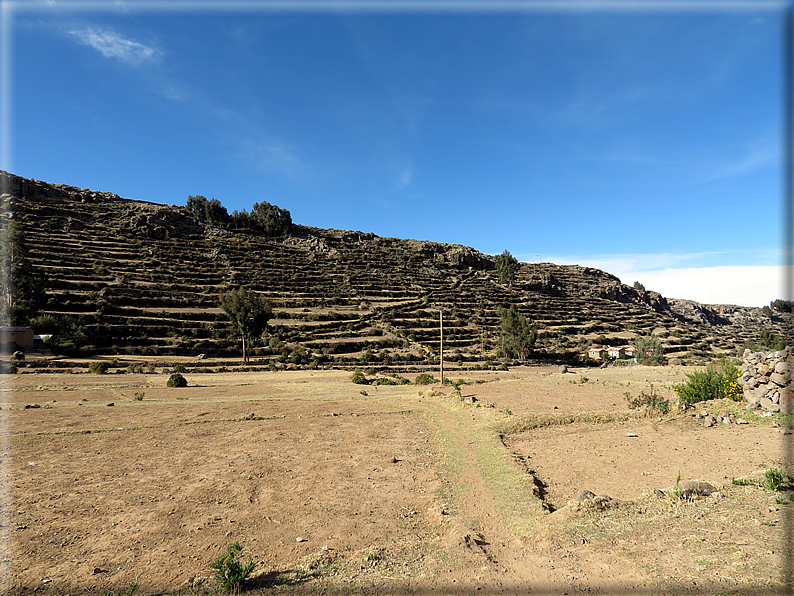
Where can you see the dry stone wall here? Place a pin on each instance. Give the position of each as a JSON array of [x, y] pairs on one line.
[[766, 379]]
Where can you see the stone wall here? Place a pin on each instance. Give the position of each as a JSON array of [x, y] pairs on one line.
[[766, 378]]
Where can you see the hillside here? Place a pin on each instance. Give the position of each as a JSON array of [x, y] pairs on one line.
[[143, 279]]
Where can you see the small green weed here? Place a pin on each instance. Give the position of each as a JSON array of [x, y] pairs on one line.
[[139, 396], [229, 572], [456, 384], [774, 480], [677, 492]]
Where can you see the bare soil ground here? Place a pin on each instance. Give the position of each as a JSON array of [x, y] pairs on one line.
[[398, 491]]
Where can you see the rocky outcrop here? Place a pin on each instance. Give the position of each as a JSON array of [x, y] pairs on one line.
[[158, 222], [620, 292], [766, 379], [463, 257], [37, 190], [702, 314], [312, 244]]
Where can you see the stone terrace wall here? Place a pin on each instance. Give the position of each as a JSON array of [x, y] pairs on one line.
[[766, 379]]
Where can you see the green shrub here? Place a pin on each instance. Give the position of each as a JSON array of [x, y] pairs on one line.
[[229, 572], [98, 368], [176, 380], [425, 379], [712, 383], [359, 379], [652, 400]]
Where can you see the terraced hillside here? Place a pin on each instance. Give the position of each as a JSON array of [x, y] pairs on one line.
[[143, 279]]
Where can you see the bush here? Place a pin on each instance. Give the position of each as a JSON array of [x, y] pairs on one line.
[[359, 379], [176, 380], [424, 379], [712, 383], [652, 400], [229, 573], [98, 368]]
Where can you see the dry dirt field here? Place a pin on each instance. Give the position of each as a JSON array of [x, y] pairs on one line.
[[395, 491]]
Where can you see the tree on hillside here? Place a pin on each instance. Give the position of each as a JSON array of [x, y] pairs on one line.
[[207, 211], [782, 305], [517, 335], [506, 267], [273, 220], [22, 288], [249, 314], [639, 287], [648, 349]]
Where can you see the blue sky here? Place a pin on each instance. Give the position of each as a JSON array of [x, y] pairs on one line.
[[645, 143]]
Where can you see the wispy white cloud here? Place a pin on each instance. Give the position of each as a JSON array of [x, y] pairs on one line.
[[405, 176], [112, 45], [758, 154], [271, 155]]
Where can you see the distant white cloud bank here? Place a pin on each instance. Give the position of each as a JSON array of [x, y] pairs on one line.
[[742, 285]]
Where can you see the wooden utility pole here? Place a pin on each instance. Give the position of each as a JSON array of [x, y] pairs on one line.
[[441, 350]]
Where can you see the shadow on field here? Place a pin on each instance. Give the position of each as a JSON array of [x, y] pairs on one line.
[[278, 579]]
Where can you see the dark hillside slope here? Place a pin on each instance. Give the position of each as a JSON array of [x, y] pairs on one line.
[[142, 278]]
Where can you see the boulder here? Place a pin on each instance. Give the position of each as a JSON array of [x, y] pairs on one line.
[[692, 488]]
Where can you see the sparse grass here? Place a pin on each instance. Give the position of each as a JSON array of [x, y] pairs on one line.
[[532, 421], [128, 590], [709, 555]]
